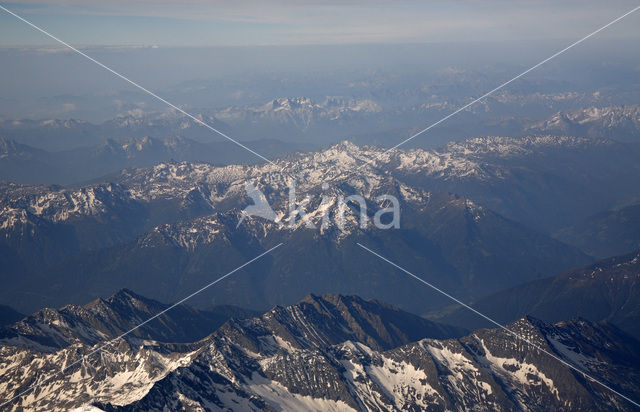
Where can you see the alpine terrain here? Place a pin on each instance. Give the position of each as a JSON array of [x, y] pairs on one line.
[[328, 352]]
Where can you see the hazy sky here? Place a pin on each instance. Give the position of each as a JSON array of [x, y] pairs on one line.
[[341, 39], [221, 23]]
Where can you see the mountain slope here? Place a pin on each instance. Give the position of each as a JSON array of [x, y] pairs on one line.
[[119, 373], [9, 315], [23, 162], [330, 319], [547, 182], [104, 319], [605, 291], [487, 370], [608, 233], [461, 246], [125, 371], [337, 353]]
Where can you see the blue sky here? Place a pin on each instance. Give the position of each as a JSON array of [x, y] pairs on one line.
[[229, 23]]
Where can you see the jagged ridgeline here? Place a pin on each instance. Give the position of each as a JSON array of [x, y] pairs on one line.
[[327, 352]]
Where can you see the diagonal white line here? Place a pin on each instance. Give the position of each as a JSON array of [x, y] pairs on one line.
[[208, 126], [499, 325], [501, 86], [138, 326]]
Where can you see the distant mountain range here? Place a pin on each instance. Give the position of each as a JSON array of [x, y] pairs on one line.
[[605, 291], [543, 181], [298, 120], [24, 164], [331, 352], [383, 118], [62, 135], [621, 123]]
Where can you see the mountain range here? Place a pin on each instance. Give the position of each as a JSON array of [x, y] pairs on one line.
[[177, 223], [621, 123], [486, 370], [338, 228], [51, 329], [385, 118], [544, 181], [330, 352]]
